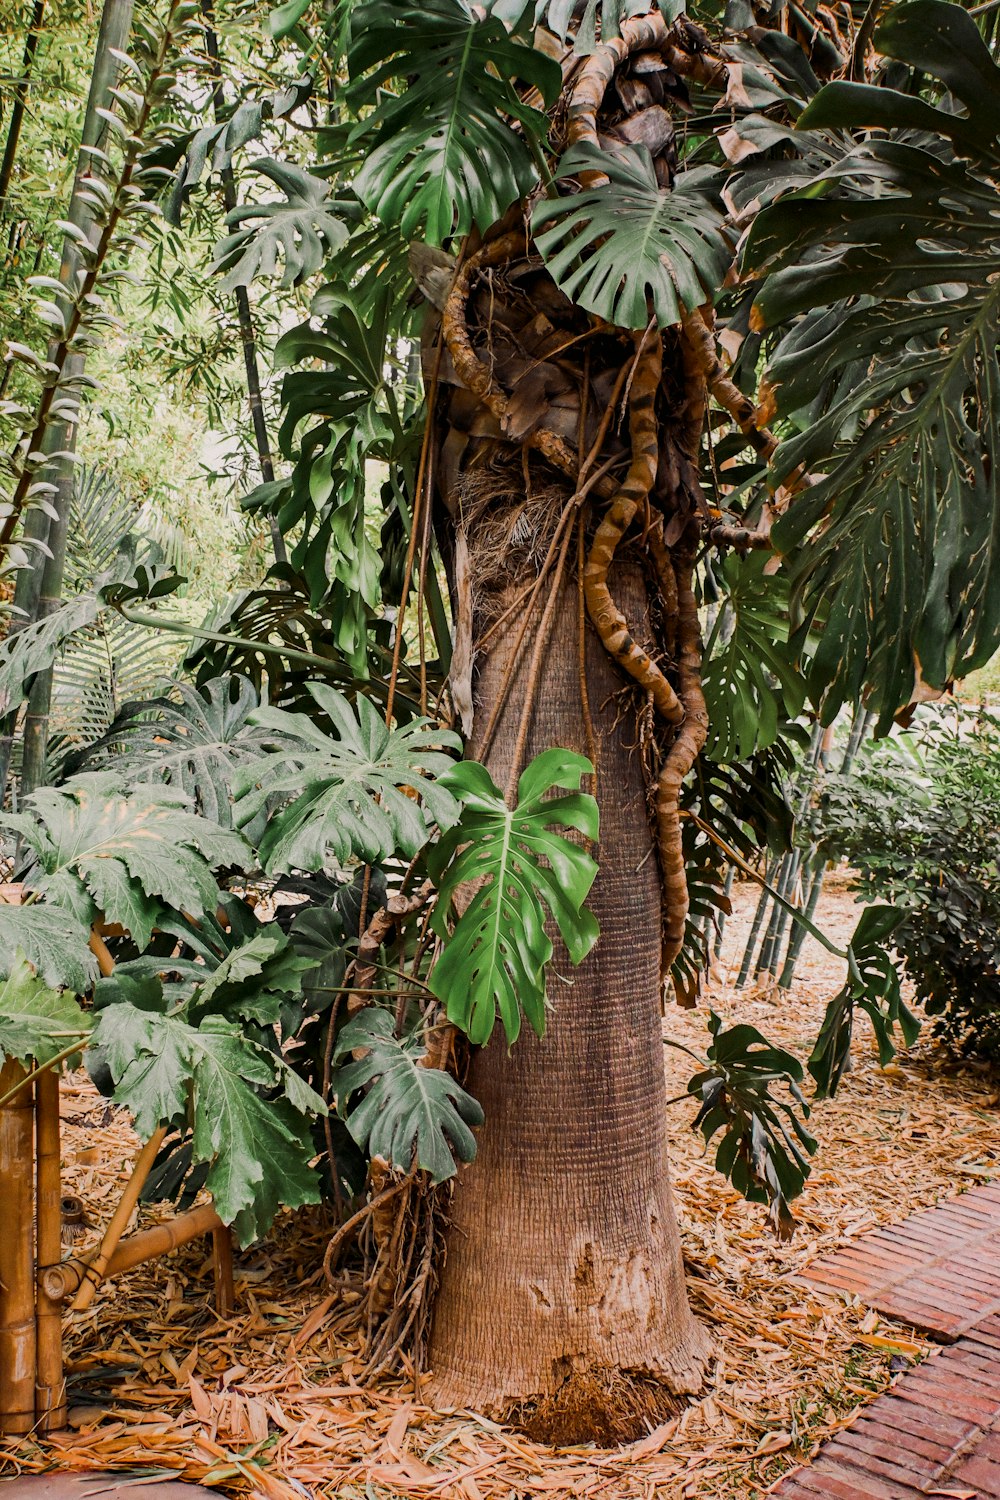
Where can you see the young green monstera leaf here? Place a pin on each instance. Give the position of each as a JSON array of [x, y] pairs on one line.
[[496, 952]]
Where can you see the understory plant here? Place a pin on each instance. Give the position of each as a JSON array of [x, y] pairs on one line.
[[918, 819]]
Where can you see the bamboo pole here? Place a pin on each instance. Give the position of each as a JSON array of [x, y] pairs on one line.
[[62, 1281], [222, 1265], [17, 1264], [50, 1386], [97, 1268]]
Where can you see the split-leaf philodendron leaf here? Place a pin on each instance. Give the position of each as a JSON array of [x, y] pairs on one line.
[[411, 1115], [495, 954]]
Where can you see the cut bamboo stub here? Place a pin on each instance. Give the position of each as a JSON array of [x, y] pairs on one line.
[[17, 1278], [97, 1267], [222, 1265], [50, 1387], [62, 1281]]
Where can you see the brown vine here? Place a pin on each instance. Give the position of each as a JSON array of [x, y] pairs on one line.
[[678, 762], [609, 622]]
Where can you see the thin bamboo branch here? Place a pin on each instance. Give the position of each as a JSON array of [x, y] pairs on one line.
[[97, 1268], [17, 1266], [63, 1280], [244, 314]]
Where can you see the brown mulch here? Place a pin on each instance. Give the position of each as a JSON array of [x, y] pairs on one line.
[[268, 1404]]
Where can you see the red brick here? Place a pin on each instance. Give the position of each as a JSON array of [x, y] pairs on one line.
[[853, 1484], [902, 1415], [893, 1458], [979, 1472], [917, 1438]]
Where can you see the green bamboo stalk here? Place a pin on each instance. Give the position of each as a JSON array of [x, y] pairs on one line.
[[758, 922], [113, 35], [813, 861], [720, 926]]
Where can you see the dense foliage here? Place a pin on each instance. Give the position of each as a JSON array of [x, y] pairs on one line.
[[269, 860], [919, 820]]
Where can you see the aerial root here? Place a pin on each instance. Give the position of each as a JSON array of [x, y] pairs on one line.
[[471, 370], [608, 620], [701, 341], [683, 47], [678, 761], [399, 1230]]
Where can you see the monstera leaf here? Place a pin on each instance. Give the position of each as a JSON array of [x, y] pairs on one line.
[[257, 1148], [750, 681], [124, 851], [441, 155], [301, 228], [884, 277], [36, 1022], [495, 956], [411, 1115], [194, 745], [623, 243], [872, 986], [349, 790], [765, 1147]]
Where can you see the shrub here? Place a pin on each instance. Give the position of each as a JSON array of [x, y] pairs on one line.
[[919, 820]]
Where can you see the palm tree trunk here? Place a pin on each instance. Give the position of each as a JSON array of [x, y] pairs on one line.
[[562, 1296]]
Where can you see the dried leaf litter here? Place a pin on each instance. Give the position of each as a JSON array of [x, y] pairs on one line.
[[267, 1404]]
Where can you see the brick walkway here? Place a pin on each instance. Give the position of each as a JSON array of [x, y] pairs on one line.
[[937, 1430], [939, 1270]]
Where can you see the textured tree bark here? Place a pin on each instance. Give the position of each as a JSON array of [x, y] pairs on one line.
[[564, 1270]]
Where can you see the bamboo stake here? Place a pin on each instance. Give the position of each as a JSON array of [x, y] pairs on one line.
[[50, 1387], [222, 1265], [97, 1268], [17, 1266], [62, 1281]]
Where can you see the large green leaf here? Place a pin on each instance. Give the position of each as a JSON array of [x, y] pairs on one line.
[[36, 1022], [347, 790], [884, 275], [126, 851], [301, 228], [765, 1147], [194, 745], [442, 152], [212, 1077], [751, 684], [411, 1115], [873, 986], [496, 953], [56, 948], [625, 244], [35, 648]]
